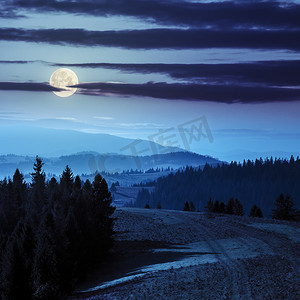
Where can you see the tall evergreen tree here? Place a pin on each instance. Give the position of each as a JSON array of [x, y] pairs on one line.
[[66, 181], [101, 212], [38, 185], [19, 188]]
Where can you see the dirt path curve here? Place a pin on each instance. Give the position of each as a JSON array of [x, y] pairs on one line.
[[238, 279]]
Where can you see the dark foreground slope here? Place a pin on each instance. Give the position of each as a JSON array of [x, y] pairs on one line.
[[162, 254]]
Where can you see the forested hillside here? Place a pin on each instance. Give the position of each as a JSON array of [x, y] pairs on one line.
[[258, 182], [51, 233]]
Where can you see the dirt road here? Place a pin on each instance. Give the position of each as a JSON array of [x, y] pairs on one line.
[[161, 254]]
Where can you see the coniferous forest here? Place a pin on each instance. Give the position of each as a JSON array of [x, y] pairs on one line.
[[258, 182], [51, 233]]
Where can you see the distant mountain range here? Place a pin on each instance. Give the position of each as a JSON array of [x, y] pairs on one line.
[[94, 152], [31, 141], [90, 162]]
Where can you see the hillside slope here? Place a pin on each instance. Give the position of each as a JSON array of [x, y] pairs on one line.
[[163, 254]]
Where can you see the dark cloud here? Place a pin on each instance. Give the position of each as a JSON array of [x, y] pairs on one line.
[[15, 61], [9, 10], [195, 92], [9, 15], [28, 86], [174, 91], [159, 38], [267, 73], [268, 14]]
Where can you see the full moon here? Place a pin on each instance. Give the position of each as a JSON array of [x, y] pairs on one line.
[[63, 78]]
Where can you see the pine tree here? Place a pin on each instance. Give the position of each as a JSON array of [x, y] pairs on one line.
[[255, 212], [192, 206], [222, 208], [38, 186], [113, 187], [285, 209], [186, 206], [77, 191], [66, 181], [238, 208], [16, 283], [46, 276], [87, 191], [230, 206], [38, 176], [69, 252], [210, 205], [216, 206], [53, 193], [101, 211], [19, 189]]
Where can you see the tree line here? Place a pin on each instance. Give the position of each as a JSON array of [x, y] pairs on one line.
[[51, 233], [258, 183]]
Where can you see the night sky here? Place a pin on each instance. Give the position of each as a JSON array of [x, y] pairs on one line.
[[147, 66]]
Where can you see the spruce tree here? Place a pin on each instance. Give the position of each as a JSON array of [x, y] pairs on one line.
[[66, 181], [210, 205], [113, 187], [101, 211], [19, 190], [216, 206], [38, 186], [255, 212], [186, 206], [192, 206], [230, 206], [222, 208], [284, 208], [46, 276], [16, 279], [238, 208]]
